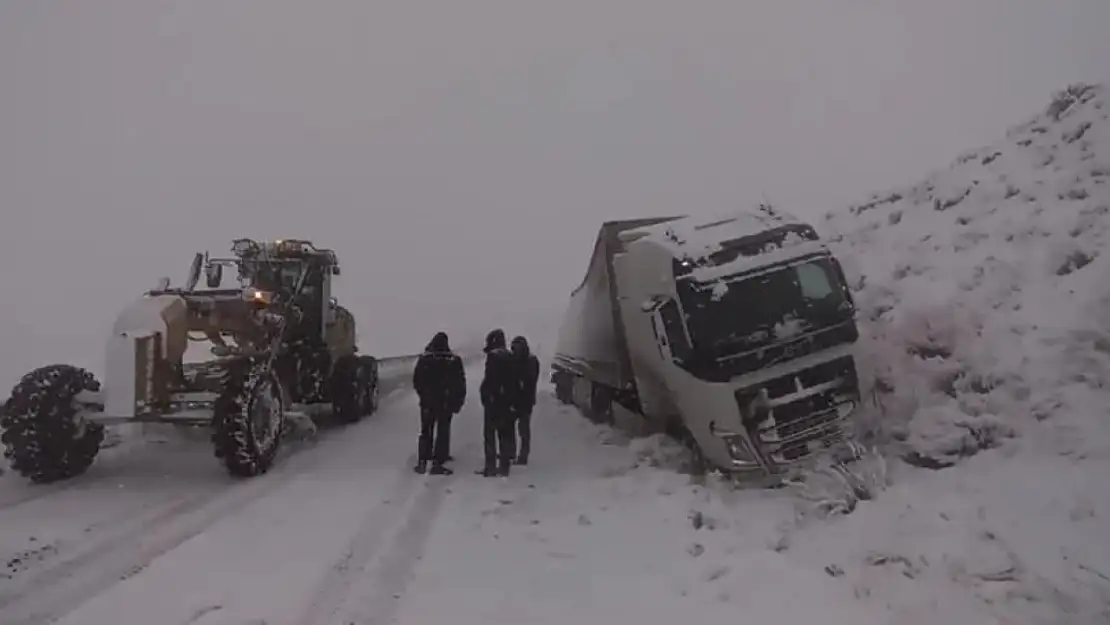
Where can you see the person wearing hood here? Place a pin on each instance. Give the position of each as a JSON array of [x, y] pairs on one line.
[[528, 375], [440, 383], [498, 392]]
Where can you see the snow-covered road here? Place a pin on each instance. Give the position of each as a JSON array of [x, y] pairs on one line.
[[166, 509], [342, 531], [951, 276]]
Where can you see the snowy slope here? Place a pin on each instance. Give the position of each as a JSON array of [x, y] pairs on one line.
[[985, 297], [986, 292], [986, 345]]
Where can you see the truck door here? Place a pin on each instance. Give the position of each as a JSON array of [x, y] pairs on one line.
[[670, 332]]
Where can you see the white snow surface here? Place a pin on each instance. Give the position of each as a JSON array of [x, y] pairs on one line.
[[985, 307], [342, 531], [985, 345], [792, 247], [697, 236]]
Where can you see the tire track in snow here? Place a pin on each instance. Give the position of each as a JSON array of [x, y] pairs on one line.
[[333, 589], [404, 519], [46, 491], [397, 567], [392, 385], [124, 550], [403, 522], [89, 480], [127, 550]]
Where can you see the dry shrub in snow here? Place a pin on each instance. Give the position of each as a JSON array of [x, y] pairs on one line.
[[831, 487], [983, 306], [1063, 101]]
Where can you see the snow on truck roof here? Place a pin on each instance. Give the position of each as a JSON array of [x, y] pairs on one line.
[[703, 241], [699, 236]]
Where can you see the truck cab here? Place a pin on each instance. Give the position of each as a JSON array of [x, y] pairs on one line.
[[737, 333]]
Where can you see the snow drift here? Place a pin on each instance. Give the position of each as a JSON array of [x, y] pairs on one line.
[[984, 298], [984, 294]]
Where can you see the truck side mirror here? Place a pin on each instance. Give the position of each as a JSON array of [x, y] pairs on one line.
[[194, 272], [847, 288], [214, 275]]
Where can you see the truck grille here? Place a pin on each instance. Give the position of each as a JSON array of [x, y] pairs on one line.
[[825, 338], [804, 414]]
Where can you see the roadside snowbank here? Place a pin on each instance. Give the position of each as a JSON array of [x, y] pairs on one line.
[[591, 531], [986, 318], [982, 290]]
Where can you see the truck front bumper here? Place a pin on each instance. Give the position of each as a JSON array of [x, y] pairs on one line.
[[789, 418]]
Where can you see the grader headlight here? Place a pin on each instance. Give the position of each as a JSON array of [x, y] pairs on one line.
[[258, 296]]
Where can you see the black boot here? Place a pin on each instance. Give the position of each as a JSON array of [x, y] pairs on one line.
[[522, 459], [487, 472], [439, 469], [503, 469], [421, 467]]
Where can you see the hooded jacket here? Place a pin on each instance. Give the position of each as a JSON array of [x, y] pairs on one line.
[[498, 384], [439, 378], [528, 373]]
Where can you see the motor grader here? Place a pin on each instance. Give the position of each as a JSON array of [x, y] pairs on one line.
[[274, 347]]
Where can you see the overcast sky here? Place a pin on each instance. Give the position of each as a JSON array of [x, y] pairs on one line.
[[459, 156]]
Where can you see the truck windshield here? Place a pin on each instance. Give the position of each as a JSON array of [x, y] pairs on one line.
[[744, 313]]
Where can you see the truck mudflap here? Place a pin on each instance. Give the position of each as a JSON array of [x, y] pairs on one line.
[[787, 420]]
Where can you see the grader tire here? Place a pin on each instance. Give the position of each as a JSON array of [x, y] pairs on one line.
[[45, 438], [248, 420]]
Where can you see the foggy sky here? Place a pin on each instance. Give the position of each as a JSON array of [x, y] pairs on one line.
[[459, 156]]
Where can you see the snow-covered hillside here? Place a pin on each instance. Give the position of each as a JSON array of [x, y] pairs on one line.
[[984, 292], [986, 334]]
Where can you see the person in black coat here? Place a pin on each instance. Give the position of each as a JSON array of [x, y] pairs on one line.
[[528, 374], [440, 383], [498, 392]]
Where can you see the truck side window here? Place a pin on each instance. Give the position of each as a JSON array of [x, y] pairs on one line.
[[675, 330], [813, 281]]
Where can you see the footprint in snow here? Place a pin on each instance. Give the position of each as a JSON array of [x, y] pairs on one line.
[[716, 573]]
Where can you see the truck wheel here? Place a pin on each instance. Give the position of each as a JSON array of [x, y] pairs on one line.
[[371, 386], [563, 389], [248, 420], [45, 437], [601, 405], [354, 388], [309, 373]]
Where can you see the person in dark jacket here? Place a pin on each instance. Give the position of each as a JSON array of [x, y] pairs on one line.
[[528, 374], [440, 383], [498, 391]]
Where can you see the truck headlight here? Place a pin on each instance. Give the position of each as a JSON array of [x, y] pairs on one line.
[[739, 452]]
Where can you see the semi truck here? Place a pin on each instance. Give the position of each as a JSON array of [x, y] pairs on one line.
[[735, 334]]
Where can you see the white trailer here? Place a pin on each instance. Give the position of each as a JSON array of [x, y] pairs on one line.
[[735, 334]]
